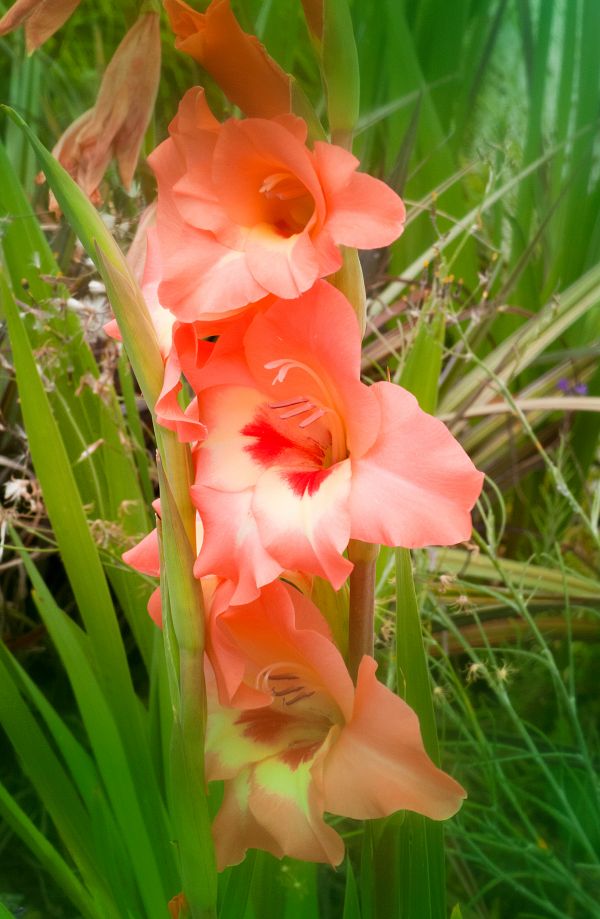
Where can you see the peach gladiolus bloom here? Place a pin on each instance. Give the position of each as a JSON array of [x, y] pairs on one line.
[[246, 209], [143, 259], [42, 18], [300, 455], [238, 62], [310, 742], [116, 125]]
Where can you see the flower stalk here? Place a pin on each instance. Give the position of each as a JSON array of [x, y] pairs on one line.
[[362, 602], [183, 618]]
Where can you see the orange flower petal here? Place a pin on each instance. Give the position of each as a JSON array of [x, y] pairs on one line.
[[379, 765], [235, 60]]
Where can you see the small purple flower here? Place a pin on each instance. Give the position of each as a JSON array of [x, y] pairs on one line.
[[580, 389], [563, 384]]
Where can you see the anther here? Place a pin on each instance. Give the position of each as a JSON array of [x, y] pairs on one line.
[[287, 402], [314, 417], [286, 692], [304, 407], [304, 695]]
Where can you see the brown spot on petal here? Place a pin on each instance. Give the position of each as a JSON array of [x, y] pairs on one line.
[[263, 725], [295, 756]]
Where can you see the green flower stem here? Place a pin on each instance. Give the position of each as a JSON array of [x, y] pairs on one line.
[[349, 281], [183, 614], [362, 602]]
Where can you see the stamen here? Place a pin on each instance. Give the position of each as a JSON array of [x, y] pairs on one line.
[[314, 417], [283, 365], [305, 695], [305, 407], [287, 402], [286, 692], [328, 406], [282, 185], [282, 676]]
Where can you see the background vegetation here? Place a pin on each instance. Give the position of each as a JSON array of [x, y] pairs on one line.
[[484, 114]]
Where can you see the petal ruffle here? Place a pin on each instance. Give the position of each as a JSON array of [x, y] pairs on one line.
[[415, 486], [232, 548], [361, 211], [273, 806], [378, 764]]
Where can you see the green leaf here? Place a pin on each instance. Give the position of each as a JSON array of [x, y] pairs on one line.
[[234, 898], [46, 855], [4, 913], [421, 844], [421, 370], [123, 791], [49, 778], [351, 901], [82, 563], [339, 63], [81, 766]]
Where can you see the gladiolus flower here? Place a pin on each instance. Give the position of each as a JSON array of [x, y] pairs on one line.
[[238, 62], [245, 209], [116, 125], [311, 742], [42, 18], [300, 456]]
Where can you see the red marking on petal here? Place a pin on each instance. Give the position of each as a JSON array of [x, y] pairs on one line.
[[307, 480], [269, 444], [264, 725], [272, 446], [295, 756]]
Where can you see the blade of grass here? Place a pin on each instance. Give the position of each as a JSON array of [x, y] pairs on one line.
[[82, 564], [351, 901], [118, 778], [51, 783], [47, 856], [421, 863]]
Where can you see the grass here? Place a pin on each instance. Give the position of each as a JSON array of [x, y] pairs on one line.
[[485, 116]]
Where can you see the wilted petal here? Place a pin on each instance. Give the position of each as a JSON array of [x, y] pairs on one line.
[[42, 18], [116, 125], [176, 905]]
